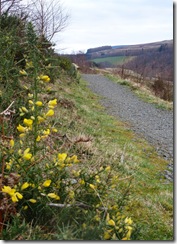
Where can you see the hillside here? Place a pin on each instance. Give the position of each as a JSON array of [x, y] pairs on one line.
[[149, 60], [127, 50]]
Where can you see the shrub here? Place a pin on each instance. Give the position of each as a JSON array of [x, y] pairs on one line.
[[163, 89], [41, 185]]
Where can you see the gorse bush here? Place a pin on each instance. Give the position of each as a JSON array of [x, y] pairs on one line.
[[17, 41], [42, 185], [12, 32]]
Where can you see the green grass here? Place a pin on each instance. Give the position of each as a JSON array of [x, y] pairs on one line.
[[118, 60], [150, 198]]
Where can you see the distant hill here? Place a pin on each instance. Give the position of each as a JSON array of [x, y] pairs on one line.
[[126, 50], [98, 49], [149, 59]]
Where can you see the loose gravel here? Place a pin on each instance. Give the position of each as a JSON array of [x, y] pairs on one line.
[[154, 124]]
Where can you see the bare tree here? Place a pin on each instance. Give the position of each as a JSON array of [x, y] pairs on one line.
[[48, 17], [8, 5]]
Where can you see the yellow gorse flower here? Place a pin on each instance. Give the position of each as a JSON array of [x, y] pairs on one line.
[[25, 207], [44, 78], [108, 168], [97, 179], [47, 183], [52, 103], [21, 128], [30, 102], [107, 235], [38, 138], [54, 130], [71, 194], [48, 88], [54, 196], [39, 103], [40, 119], [128, 234], [30, 95], [25, 185], [46, 132], [128, 221], [81, 181], [22, 135], [29, 64], [62, 157], [50, 113], [15, 196], [92, 186], [28, 122], [23, 110], [111, 222], [27, 155], [9, 164], [32, 200], [74, 159], [23, 72], [12, 143], [125, 239]]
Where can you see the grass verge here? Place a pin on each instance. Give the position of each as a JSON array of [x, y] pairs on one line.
[[142, 92], [150, 200]]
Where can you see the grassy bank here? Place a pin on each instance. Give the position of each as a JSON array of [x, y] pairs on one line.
[[133, 188], [150, 198]]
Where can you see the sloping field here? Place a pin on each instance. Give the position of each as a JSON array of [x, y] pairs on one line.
[[117, 60]]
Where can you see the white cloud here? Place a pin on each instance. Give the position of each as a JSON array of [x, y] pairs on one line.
[[101, 22]]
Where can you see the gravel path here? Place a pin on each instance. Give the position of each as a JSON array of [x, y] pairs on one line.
[[154, 124]]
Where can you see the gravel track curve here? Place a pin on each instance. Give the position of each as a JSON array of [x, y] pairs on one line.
[[154, 124]]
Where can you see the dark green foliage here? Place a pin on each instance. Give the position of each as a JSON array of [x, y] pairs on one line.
[[64, 63], [19, 44]]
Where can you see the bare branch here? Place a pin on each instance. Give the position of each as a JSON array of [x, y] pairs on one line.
[[80, 205], [48, 18], [7, 6], [7, 109]]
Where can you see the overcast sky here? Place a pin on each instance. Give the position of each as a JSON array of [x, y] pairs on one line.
[[95, 23]]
